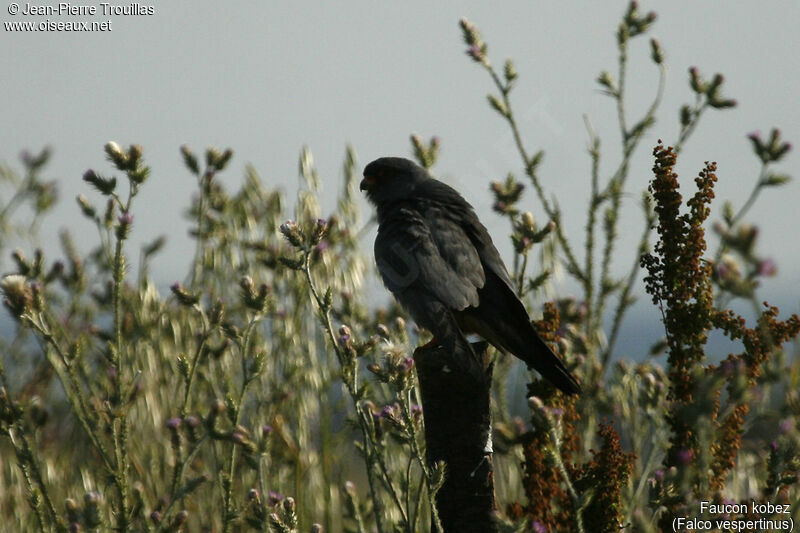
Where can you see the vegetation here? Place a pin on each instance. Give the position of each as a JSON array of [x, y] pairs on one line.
[[262, 392]]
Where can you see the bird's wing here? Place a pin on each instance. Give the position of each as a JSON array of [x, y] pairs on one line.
[[450, 205], [431, 252]]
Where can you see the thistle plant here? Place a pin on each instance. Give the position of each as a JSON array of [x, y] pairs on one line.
[[582, 336]]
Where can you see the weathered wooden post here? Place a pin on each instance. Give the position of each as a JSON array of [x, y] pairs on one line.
[[456, 407]]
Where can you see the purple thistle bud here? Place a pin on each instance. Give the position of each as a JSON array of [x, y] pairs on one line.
[[274, 497], [192, 421], [343, 340], [658, 475], [407, 364], [518, 424], [266, 429], [685, 456], [475, 52], [174, 423], [416, 409], [773, 446], [125, 218], [534, 402], [291, 231], [386, 412], [767, 268], [155, 516], [538, 527], [786, 425], [320, 227]]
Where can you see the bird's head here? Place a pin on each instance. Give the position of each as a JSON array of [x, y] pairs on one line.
[[391, 178]]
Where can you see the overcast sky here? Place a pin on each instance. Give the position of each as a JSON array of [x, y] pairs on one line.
[[267, 78]]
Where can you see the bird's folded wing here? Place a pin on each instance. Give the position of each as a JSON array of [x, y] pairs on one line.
[[430, 253], [444, 202]]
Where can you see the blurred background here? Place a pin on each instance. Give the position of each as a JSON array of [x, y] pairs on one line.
[[267, 78]]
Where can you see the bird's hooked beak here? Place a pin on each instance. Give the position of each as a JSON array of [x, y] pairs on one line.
[[367, 183]]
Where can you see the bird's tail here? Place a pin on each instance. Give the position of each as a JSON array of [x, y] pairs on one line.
[[549, 365], [502, 320]]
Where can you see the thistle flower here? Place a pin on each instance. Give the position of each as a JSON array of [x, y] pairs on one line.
[[406, 364], [291, 231], [538, 527], [116, 155], [180, 519], [343, 340], [18, 294], [134, 154], [772, 150], [685, 456], [183, 295], [320, 228], [476, 47], [535, 403], [105, 185], [506, 195], [123, 229], [767, 268], [656, 53], [173, 423], [190, 160]]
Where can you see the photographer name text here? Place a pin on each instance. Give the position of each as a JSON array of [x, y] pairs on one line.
[[102, 8]]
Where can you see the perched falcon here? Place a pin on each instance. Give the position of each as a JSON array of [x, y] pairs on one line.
[[439, 261]]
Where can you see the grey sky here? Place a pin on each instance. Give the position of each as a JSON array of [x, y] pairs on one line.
[[266, 78]]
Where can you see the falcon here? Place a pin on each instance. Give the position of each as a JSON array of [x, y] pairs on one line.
[[439, 262]]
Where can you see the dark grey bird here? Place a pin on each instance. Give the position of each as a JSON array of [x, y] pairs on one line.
[[439, 261]]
